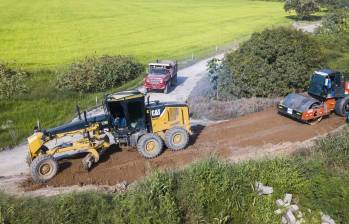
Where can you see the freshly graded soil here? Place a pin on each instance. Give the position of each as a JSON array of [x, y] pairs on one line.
[[245, 137]]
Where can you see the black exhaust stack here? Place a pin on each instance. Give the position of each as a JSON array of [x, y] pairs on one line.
[[78, 111]]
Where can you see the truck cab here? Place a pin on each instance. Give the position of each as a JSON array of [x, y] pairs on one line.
[[162, 75]]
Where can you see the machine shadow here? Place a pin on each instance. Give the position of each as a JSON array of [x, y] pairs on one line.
[[197, 129]]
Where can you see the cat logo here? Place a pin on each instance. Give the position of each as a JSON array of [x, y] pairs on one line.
[[155, 112]]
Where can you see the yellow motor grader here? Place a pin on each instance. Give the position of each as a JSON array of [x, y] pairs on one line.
[[127, 120]]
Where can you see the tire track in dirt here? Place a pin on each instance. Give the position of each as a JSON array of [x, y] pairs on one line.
[[242, 137]]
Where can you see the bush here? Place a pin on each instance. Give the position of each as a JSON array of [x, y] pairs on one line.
[[303, 8], [99, 73], [12, 83], [271, 63], [335, 22]]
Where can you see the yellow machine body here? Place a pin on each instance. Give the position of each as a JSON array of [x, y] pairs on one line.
[[171, 116]]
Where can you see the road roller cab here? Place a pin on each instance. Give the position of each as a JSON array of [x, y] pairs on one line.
[[327, 92]]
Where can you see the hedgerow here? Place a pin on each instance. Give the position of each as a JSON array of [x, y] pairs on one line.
[[271, 63], [99, 73], [12, 82]]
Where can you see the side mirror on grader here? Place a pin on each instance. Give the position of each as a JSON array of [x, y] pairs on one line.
[[127, 120]]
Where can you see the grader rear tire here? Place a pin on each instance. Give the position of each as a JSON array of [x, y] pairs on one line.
[[150, 145], [176, 138], [43, 168]]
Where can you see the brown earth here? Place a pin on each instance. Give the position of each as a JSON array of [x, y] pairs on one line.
[[238, 138]]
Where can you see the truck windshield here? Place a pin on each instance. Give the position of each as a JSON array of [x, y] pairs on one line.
[[157, 71]]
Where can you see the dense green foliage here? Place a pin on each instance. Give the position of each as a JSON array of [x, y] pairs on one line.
[[335, 22], [12, 82], [271, 63], [303, 8], [100, 73], [208, 192], [334, 39]]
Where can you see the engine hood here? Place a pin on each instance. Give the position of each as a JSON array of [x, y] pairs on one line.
[[151, 76], [76, 125]]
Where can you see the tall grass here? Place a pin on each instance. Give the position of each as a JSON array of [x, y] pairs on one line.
[[209, 191]]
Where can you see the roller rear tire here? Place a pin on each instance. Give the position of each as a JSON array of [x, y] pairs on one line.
[[342, 107]]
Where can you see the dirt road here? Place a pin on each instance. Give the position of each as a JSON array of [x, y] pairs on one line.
[[260, 134]]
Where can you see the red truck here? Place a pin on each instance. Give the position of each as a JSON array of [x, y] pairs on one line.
[[161, 76]]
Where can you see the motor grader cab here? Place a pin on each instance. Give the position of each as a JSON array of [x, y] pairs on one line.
[[147, 126], [327, 92]]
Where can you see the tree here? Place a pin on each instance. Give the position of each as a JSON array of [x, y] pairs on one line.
[[271, 63], [303, 8], [214, 67]]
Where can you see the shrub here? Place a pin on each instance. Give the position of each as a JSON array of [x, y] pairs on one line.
[[12, 82], [335, 22], [271, 63], [99, 73], [303, 8]]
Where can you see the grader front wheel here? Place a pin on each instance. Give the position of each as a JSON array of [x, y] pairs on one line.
[[150, 145], [43, 168]]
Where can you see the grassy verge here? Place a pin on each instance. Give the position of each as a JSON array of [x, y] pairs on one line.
[[209, 191]]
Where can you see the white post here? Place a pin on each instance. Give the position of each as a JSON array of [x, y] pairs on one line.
[[96, 101]]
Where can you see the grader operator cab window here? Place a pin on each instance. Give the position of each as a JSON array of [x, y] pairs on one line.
[[131, 111]]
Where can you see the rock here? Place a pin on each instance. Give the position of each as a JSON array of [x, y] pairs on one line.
[[287, 199], [291, 219], [263, 190], [294, 208], [283, 220], [326, 219], [280, 203], [120, 187]]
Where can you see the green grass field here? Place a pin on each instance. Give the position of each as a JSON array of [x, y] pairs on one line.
[[41, 34], [44, 36]]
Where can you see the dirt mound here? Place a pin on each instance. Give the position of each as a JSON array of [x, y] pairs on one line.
[[238, 137]]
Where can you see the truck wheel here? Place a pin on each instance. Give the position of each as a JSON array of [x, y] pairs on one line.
[[342, 107], [167, 88], [176, 138], [150, 145], [43, 168]]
